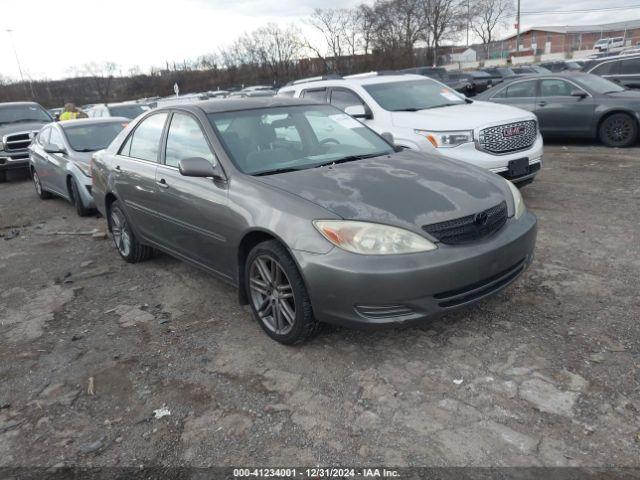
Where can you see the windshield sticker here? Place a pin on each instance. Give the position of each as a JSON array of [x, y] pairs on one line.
[[449, 95], [345, 120]]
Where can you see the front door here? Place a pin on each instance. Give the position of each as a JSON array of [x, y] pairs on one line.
[[193, 210], [560, 113]]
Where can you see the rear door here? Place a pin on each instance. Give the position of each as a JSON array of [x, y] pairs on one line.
[[135, 175], [629, 75], [193, 210], [560, 113], [521, 94]]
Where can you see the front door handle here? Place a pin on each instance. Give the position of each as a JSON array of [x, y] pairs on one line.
[[162, 183], [542, 104]]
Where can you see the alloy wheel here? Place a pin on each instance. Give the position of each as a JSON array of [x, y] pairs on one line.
[[618, 130], [272, 294], [120, 232], [36, 183]]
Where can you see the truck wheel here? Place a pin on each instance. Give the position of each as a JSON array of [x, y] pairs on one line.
[[43, 194], [277, 294], [124, 239], [619, 130]]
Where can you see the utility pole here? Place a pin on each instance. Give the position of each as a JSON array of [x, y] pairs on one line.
[[518, 31], [468, 20], [15, 52]]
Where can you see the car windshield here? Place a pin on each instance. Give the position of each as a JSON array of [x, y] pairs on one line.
[[598, 84], [414, 95], [90, 138], [266, 141], [127, 111], [23, 113]]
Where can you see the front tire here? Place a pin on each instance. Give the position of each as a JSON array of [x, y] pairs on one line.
[[76, 199], [619, 130], [128, 246], [41, 192], [277, 295]]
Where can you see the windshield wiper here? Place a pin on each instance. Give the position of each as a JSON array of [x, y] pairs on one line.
[[276, 170], [87, 150], [443, 105], [408, 109], [350, 158]]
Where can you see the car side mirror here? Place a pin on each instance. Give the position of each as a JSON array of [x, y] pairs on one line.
[[53, 148], [388, 136], [579, 93], [197, 167], [358, 111]]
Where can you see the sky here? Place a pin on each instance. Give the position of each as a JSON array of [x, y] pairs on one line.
[[53, 36]]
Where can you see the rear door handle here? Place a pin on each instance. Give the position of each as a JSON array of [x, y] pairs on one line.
[[162, 183]]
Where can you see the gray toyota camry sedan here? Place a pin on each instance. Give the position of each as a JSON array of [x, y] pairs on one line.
[[312, 215]]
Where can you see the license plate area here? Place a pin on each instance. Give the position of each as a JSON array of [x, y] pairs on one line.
[[518, 167]]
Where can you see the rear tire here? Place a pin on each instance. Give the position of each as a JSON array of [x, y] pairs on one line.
[[128, 246], [277, 295], [42, 193], [76, 199], [618, 130]]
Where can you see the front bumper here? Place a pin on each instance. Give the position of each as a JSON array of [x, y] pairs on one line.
[[14, 160], [85, 186], [358, 290], [498, 163]]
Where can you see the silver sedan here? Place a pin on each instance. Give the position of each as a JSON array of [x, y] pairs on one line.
[[59, 158]]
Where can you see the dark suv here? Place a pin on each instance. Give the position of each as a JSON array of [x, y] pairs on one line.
[[622, 69], [19, 123]]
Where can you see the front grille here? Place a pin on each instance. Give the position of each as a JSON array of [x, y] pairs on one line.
[[470, 228], [383, 311], [17, 141], [508, 138], [461, 296]]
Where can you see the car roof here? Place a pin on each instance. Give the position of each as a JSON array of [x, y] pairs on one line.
[[369, 78], [18, 104], [91, 121], [235, 104]]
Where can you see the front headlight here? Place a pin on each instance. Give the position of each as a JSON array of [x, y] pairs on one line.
[[84, 168], [447, 139], [518, 202], [372, 238]]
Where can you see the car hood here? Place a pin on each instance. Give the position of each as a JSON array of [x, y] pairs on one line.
[[20, 127], [467, 116], [406, 189], [625, 95]]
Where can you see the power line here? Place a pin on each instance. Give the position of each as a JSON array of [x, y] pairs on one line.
[[589, 10]]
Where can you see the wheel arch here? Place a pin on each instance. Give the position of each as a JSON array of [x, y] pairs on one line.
[[249, 240]]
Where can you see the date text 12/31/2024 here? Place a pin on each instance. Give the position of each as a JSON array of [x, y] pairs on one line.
[[315, 472]]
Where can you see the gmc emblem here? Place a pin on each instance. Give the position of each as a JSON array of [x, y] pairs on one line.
[[513, 131]]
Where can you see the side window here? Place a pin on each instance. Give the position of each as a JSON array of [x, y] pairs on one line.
[[43, 136], [318, 95], [344, 98], [186, 140], [555, 88], [286, 94], [630, 66], [56, 138], [144, 143], [607, 68], [521, 90]]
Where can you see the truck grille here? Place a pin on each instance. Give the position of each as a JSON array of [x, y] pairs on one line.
[[470, 228], [17, 141], [508, 138]]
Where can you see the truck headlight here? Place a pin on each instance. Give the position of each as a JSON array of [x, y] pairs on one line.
[[1, 146], [447, 139], [518, 202], [372, 238]]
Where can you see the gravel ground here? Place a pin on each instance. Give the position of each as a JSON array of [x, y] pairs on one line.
[[543, 374]]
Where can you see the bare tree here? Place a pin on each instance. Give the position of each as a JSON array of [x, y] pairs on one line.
[[444, 20], [340, 30], [488, 17], [101, 75]]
